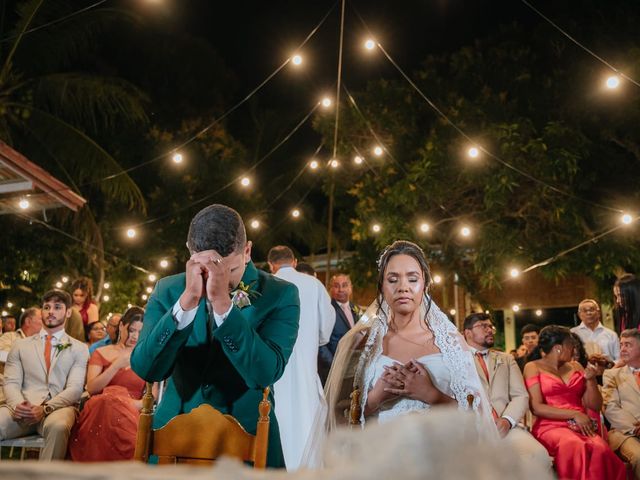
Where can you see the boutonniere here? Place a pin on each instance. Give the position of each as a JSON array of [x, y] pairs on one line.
[[242, 295], [62, 346]]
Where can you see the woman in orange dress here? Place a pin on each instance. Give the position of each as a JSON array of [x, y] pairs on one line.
[[107, 426]]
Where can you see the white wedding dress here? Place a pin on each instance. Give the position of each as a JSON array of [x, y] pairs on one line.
[[401, 405]]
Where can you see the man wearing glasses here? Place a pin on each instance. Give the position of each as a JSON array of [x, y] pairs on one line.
[[597, 338], [504, 385]]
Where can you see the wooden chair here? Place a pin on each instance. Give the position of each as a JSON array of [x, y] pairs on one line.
[[202, 435]]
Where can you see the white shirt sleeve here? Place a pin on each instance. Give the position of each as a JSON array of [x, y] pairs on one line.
[[182, 317], [510, 420], [219, 319]]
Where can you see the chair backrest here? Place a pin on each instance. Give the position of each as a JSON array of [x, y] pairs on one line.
[[202, 435]]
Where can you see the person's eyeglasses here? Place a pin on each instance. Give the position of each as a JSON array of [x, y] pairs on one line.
[[485, 326], [588, 310]]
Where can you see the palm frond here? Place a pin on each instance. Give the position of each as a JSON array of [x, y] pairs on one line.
[[26, 15], [87, 162], [57, 46], [92, 101]]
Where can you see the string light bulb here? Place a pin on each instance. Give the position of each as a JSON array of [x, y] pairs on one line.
[[65, 279], [465, 232], [295, 213], [378, 151], [296, 59], [358, 160], [538, 313], [164, 263], [105, 298], [626, 219], [255, 224], [437, 279], [149, 289], [58, 284], [177, 158], [473, 152], [245, 182], [9, 305], [452, 312], [144, 297], [131, 232], [313, 164], [24, 204], [613, 82], [152, 277], [425, 227], [369, 44], [334, 163], [376, 228], [515, 308], [514, 272], [106, 285], [326, 102], [5, 313]]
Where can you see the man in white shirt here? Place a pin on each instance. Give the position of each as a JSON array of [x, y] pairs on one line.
[[596, 337], [44, 379], [504, 386], [298, 393]]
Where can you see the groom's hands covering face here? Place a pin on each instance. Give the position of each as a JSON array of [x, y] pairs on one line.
[[215, 273]]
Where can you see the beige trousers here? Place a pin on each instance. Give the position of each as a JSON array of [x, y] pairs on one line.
[[630, 452], [55, 428]]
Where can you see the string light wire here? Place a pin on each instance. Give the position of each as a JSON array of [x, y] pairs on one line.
[[583, 47]]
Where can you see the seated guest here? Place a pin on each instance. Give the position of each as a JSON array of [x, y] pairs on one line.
[[106, 429], [113, 323], [560, 392], [621, 392], [597, 338], [8, 323], [44, 379], [97, 331], [504, 385], [30, 324], [529, 334]]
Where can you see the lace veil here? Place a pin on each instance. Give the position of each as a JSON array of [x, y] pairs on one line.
[[359, 349]]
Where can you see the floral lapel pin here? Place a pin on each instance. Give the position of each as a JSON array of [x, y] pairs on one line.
[[242, 295], [62, 346]]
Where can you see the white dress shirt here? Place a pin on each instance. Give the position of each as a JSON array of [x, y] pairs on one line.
[[185, 317], [600, 340], [56, 340]]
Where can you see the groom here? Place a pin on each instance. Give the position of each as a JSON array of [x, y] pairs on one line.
[[220, 332]]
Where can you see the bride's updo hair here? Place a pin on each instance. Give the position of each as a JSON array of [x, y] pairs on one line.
[[403, 247]]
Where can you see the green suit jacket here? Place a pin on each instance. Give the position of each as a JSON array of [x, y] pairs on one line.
[[226, 366]]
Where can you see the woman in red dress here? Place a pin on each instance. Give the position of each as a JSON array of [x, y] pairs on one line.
[[561, 391], [108, 423]]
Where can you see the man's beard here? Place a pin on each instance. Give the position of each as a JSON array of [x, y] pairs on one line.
[[53, 323], [488, 343]]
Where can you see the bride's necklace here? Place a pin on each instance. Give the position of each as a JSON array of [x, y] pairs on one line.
[[426, 342]]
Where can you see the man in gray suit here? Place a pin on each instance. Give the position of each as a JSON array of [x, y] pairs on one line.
[[44, 379], [504, 385], [621, 394]]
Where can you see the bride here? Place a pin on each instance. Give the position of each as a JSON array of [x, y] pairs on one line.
[[404, 355]]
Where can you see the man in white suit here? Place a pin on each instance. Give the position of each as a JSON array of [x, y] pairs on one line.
[[504, 385], [621, 394], [299, 399], [44, 379]]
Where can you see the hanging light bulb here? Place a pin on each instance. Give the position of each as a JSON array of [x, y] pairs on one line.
[[164, 263], [626, 219], [131, 232], [296, 60], [465, 232], [152, 277], [245, 181], [106, 285], [313, 164], [515, 308], [538, 313], [613, 82], [473, 152], [369, 44], [437, 279], [358, 160], [177, 158], [105, 298], [295, 213], [514, 272], [149, 289], [326, 102], [378, 151], [425, 227], [376, 228], [334, 163], [23, 204], [255, 224]]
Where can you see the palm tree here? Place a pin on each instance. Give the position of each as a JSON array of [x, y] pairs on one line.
[[53, 114]]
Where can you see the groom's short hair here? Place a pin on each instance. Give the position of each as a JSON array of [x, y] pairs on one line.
[[217, 227]]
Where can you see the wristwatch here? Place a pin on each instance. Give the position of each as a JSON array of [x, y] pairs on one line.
[[48, 409]]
